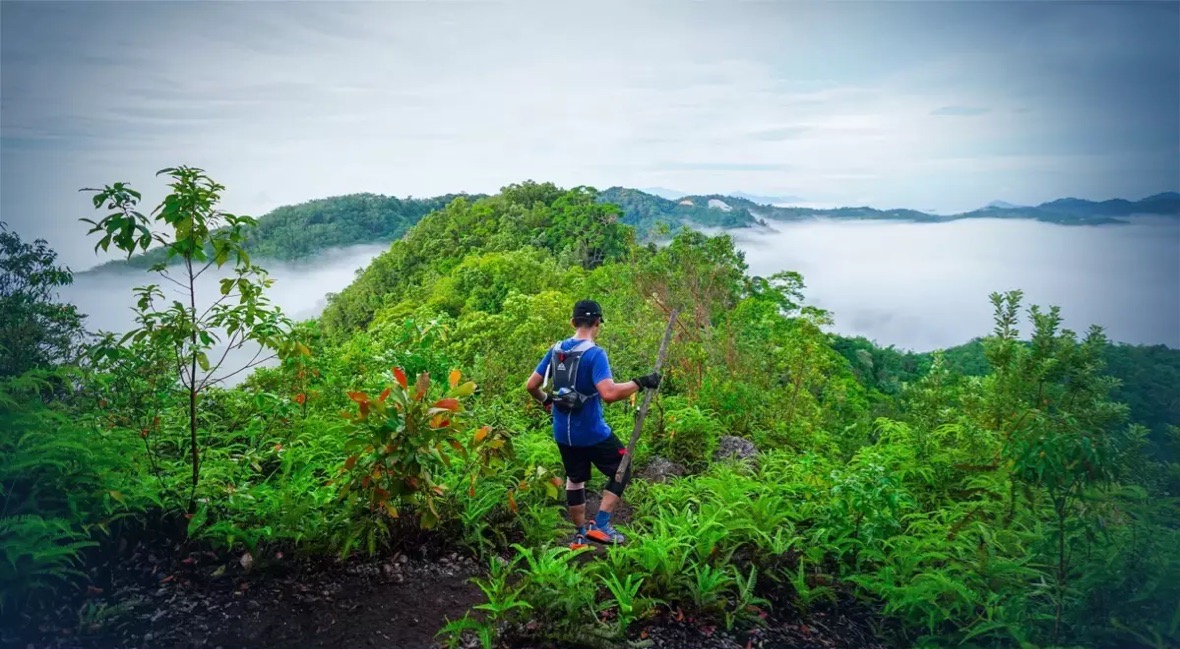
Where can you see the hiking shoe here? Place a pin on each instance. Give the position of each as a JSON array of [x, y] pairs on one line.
[[605, 534], [578, 542]]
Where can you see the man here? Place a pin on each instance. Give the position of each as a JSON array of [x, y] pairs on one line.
[[582, 382]]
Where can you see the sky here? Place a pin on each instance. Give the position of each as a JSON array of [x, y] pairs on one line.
[[941, 106]]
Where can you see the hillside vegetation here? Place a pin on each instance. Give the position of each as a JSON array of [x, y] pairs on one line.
[[300, 231], [294, 232], [1148, 378], [1005, 501]]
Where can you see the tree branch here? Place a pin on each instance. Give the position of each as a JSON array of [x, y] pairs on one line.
[[166, 276], [180, 368], [219, 301], [230, 346], [243, 369], [205, 267]]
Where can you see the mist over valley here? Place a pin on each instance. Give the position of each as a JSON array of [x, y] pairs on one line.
[[918, 286]]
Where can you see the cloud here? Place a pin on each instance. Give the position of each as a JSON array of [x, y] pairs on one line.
[[720, 166], [960, 111], [288, 102], [780, 133]]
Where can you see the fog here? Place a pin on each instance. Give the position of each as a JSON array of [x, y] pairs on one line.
[[300, 290], [923, 286], [916, 286]]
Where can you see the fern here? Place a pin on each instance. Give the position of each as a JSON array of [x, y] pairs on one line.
[[37, 555]]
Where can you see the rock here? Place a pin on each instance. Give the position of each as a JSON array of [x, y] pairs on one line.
[[253, 605], [734, 447], [660, 470]]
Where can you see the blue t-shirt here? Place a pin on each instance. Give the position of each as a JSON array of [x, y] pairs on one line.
[[585, 427]]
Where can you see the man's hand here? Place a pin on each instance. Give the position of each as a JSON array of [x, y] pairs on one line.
[[651, 381], [547, 403]]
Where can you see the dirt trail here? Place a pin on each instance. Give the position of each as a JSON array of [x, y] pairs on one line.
[[306, 605], [157, 596]]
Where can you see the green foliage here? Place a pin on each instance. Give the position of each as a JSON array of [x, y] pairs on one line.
[[1050, 406], [688, 436], [992, 495], [647, 213], [295, 232], [396, 451], [36, 332], [181, 328], [567, 226], [56, 488], [1148, 378], [37, 555]]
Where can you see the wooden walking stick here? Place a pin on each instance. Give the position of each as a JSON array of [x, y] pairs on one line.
[[647, 395]]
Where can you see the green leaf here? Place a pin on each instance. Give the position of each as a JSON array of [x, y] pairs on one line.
[[197, 520], [203, 361]]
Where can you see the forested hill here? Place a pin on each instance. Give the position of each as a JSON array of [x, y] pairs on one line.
[[299, 231], [1148, 376]]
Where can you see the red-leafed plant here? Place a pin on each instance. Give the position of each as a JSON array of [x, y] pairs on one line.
[[403, 438]]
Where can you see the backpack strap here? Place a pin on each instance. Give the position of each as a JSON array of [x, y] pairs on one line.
[[583, 346], [556, 349]]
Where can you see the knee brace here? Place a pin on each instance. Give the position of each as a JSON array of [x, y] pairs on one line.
[[575, 493], [617, 487]]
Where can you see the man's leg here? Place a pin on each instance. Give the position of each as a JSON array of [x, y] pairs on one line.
[[577, 471], [575, 497], [607, 457]]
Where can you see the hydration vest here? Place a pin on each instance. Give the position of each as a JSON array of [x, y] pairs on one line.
[[563, 369]]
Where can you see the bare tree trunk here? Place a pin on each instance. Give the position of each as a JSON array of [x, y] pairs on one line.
[[192, 389]]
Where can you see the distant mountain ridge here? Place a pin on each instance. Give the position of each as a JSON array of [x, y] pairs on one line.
[[766, 200], [299, 231], [1002, 205], [645, 210]]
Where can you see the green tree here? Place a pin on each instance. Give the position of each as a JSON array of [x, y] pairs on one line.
[[35, 330], [242, 313], [1061, 433], [588, 230]]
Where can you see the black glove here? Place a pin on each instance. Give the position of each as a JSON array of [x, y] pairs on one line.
[[651, 381], [547, 402]]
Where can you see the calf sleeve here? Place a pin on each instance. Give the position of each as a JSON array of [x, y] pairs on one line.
[[617, 487], [575, 493]]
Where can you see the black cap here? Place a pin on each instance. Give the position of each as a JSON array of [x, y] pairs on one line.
[[588, 308]]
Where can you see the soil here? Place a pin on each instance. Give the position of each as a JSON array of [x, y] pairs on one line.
[[299, 604], [158, 594]]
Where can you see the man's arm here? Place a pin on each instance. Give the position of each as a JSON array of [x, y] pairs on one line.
[[611, 391], [534, 387]]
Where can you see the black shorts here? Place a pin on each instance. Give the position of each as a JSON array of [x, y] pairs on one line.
[[606, 455]]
